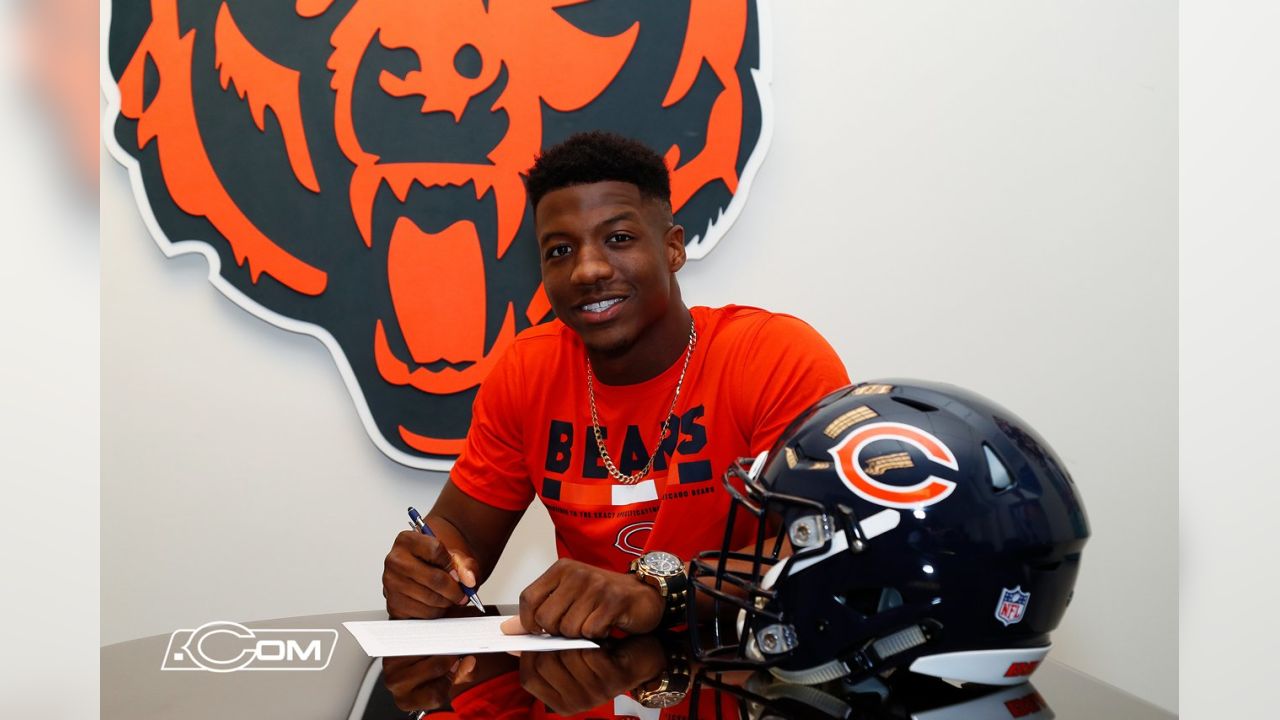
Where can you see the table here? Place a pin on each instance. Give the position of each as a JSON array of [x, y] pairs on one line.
[[135, 688]]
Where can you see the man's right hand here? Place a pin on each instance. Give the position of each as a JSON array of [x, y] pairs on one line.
[[419, 579], [425, 683]]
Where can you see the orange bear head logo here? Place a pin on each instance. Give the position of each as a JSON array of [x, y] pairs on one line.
[[353, 169]]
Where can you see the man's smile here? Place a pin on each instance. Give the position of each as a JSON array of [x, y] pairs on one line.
[[601, 310]]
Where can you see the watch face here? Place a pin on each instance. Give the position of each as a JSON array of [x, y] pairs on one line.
[[662, 564], [664, 699]]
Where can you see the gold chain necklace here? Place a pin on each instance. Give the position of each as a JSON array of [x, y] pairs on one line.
[[635, 477]]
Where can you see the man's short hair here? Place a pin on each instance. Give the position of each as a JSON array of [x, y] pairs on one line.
[[596, 156]]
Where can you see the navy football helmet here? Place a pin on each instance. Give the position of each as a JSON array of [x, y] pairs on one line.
[[929, 529]]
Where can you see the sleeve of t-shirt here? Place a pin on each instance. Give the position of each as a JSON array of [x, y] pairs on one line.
[[790, 368], [491, 467]]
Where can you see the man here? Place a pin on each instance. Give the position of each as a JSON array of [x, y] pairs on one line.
[[621, 415]]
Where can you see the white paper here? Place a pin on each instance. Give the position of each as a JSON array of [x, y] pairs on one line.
[[450, 636]]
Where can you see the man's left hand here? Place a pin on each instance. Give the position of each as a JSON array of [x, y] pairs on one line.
[[575, 681], [574, 599]]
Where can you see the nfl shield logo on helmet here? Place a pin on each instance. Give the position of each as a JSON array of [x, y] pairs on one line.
[[1012, 605]]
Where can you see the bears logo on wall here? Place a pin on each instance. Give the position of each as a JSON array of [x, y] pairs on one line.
[[353, 168]]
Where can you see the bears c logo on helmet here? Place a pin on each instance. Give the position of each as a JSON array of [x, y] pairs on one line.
[[352, 168], [860, 474]]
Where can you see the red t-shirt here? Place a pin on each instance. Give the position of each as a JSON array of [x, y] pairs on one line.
[[503, 698], [751, 374]]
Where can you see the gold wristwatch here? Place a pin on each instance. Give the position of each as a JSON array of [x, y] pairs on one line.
[[666, 690], [665, 572]]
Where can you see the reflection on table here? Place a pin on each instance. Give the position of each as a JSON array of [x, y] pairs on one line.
[[633, 677], [647, 677]]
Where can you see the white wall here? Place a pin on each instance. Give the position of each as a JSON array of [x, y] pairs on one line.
[[1229, 337], [48, 384], [982, 192]]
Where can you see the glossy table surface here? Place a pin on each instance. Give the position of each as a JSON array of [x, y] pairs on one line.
[[351, 686]]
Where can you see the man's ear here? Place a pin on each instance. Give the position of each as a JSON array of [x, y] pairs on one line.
[[674, 241]]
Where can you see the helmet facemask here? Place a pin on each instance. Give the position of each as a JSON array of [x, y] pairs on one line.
[[746, 586]]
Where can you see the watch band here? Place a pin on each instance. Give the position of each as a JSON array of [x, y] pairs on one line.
[[673, 588], [672, 684], [668, 689]]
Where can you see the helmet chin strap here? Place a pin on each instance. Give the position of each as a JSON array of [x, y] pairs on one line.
[[827, 704], [882, 649], [826, 672]]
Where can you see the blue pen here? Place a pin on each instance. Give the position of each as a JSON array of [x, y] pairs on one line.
[[415, 520]]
